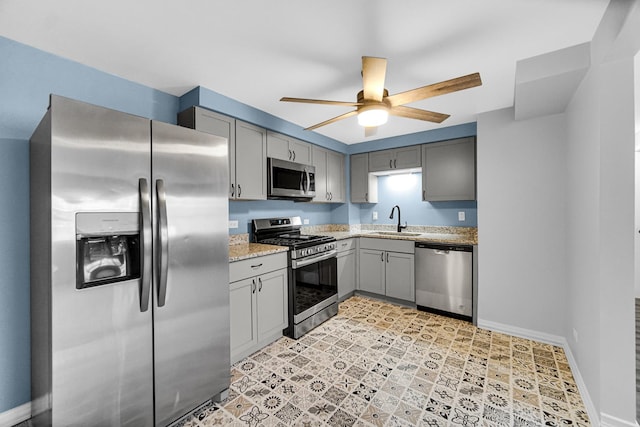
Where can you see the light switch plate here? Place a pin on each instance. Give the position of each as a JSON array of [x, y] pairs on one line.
[[233, 224], [461, 216], [375, 215]]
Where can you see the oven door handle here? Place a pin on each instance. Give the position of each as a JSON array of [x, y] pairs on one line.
[[310, 260]]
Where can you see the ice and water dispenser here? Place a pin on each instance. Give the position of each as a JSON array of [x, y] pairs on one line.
[[107, 248]]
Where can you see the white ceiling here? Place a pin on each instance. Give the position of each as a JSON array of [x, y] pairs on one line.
[[257, 51]]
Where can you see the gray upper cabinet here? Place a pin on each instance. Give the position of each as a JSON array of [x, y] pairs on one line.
[[396, 158], [251, 162], [364, 187], [449, 170], [247, 150], [287, 148], [330, 186]]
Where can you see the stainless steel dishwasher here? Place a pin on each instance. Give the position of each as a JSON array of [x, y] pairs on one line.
[[444, 279]]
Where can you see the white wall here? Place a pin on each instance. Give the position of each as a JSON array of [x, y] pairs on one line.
[[521, 213]]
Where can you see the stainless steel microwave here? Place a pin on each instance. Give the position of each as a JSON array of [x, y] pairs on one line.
[[290, 180]]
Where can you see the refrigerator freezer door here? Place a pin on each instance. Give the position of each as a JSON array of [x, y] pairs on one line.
[[191, 330], [101, 342]]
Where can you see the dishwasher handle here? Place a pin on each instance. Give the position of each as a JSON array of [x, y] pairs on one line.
[[443, 248]]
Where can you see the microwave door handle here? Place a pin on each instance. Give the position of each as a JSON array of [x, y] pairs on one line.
[[145, 247], [302, 184], [163, 242], [308, 175]]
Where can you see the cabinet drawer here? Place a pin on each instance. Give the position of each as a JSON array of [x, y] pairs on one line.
[[345, 245], [245, 268], [406, 246]]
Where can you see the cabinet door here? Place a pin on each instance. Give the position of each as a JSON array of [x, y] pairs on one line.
[[449, 170], [381, 160], [301, 151], [320, 163], [251, 162], [364, 188], [346, 273], [278, 146], [407, 157], [242, 301], [372, 268], [399, 275], [272, 311], [216, 124], [335, 177]]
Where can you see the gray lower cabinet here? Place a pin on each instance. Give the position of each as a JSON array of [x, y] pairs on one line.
[[449, 170], [364, 186], [386, 267], [258, 303], [346, 268], [247, 150]]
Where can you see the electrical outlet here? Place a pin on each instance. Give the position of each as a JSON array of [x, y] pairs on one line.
[[305, 221], [375, 215], [233, 224], [461, 216], [575, 335]]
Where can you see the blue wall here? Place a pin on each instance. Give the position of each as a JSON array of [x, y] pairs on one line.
[[28, 76], [405, 190], [14, 281]]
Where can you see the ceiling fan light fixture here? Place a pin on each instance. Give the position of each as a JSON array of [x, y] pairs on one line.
[[372, 116]]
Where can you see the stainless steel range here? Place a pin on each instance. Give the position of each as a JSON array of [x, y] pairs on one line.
[[313, 272]]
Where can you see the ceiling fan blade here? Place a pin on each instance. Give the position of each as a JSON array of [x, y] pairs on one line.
[[415, 113], [447, 86], [370, 131], [373, 74], [321, 101], [335, 119]]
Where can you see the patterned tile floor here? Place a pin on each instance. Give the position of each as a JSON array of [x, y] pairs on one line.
[[378, 364]]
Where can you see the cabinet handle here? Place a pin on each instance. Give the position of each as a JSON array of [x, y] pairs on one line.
[[294, 156], [256, 266], [290, 155], [330, 196], [366, 197], [424, 195], [387, 257], [233, 190], [253, 286], [239, 190], [390, 164], [326, 196], [395, 163], [260, 281], [382, 256]]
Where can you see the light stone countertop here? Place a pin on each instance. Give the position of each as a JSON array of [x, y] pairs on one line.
[[240, 251], [427, 237], [240, 248]]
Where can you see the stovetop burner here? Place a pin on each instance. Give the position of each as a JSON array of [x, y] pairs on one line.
[[286, 232]]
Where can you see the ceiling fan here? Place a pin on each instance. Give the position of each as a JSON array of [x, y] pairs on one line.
[[374, 104]]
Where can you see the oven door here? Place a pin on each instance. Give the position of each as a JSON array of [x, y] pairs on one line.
[[314, 284]]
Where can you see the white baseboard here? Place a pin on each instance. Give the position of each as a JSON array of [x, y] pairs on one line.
[[556, 340], [16, 415], [610, 421], [522, 333]]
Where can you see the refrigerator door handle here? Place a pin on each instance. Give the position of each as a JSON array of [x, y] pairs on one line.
[[145, 247], [163, 242]]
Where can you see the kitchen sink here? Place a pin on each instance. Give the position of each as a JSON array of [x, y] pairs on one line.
[[396, 233]]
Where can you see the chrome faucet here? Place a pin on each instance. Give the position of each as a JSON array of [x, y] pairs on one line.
[[400, 227]]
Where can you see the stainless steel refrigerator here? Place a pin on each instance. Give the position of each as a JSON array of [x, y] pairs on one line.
[[129, 268]]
